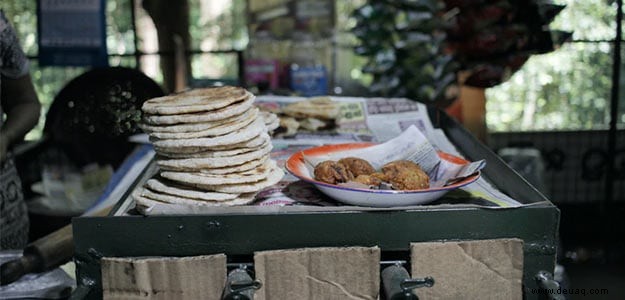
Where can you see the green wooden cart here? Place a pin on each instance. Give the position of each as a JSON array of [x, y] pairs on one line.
[[239, 235]]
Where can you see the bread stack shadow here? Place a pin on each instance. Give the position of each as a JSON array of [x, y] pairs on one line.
[[213, 149]]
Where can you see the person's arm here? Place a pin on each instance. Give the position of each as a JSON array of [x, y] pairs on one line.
[[22, 109]]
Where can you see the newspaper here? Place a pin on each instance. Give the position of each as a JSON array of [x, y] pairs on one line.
[[377, 120]]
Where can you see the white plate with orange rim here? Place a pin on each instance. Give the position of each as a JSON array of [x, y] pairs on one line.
[[296, 165]]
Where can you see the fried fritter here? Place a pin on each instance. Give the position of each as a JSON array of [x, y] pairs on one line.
[[368, 180], [357, 166], [332, 172], [405, 175]]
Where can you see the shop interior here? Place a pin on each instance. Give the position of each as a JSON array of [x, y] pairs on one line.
[[539, 84]]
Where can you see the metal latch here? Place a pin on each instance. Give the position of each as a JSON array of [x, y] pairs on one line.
[[549, 285], [398, 285], [240, 285]]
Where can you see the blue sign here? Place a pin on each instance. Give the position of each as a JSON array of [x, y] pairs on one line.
[[309, 81], [72, 33]]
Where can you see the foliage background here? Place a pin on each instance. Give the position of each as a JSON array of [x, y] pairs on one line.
[[568, 89]]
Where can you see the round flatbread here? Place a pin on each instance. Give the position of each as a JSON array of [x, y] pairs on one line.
[[225, 128], [190, 164], [196, 100], [274, 177], [236, 169], [163, 186], [193, 127], [273, 125], [217, 153], [231, 110], [141, 194], [268, 117], [244, 134], [254, 175], [317, 107], [149, 207], [254, 143]]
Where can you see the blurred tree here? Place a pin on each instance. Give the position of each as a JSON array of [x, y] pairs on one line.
[[567, 89], [217, 25]]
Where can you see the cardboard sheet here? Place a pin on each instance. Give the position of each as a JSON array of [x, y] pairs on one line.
[[318, 273], [196, 277], [484, 269]]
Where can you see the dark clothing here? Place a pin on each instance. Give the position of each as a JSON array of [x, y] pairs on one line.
[[13, 211]]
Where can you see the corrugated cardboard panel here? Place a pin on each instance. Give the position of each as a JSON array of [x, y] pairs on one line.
[[484, 269], [195, 277], [319, 273]]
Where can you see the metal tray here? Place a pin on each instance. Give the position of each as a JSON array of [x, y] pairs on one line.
[[241, 233]]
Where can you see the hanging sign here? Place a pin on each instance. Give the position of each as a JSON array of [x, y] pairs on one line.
[[71, 33]]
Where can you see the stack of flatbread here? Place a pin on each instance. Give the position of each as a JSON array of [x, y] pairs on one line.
[[212, 148]]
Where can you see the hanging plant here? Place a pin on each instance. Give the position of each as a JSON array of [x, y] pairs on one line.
[[416, 48]]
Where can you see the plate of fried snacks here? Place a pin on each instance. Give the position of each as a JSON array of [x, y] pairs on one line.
[[404, 171]]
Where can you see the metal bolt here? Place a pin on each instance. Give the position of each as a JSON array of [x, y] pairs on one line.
[[213, 224]]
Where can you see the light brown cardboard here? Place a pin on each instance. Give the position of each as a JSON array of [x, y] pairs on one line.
[[196, 277], [484, 269], [318, 273]]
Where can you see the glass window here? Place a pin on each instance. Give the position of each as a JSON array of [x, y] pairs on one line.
[[217, 24], [215, 66], [569, 88], [119, 33], [588, 19], [565, 89]]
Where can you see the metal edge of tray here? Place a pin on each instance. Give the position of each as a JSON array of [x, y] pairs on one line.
[[496, 170]]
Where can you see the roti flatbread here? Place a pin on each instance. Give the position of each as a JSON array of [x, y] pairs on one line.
[[254, 175], [162, 186], [225, 128], [231, 110], [236, 169], [274, 177], [318, 107], [151, 207], [142, 194], [192, 127], [254, 143], [195, 100], [273, 125], [268, 116], [244, 134], [190, 164], [271, 120], [217, 153]]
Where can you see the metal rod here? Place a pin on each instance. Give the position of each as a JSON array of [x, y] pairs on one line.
[[383, 263], [135, 37], [614, 99], [140, 53]]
